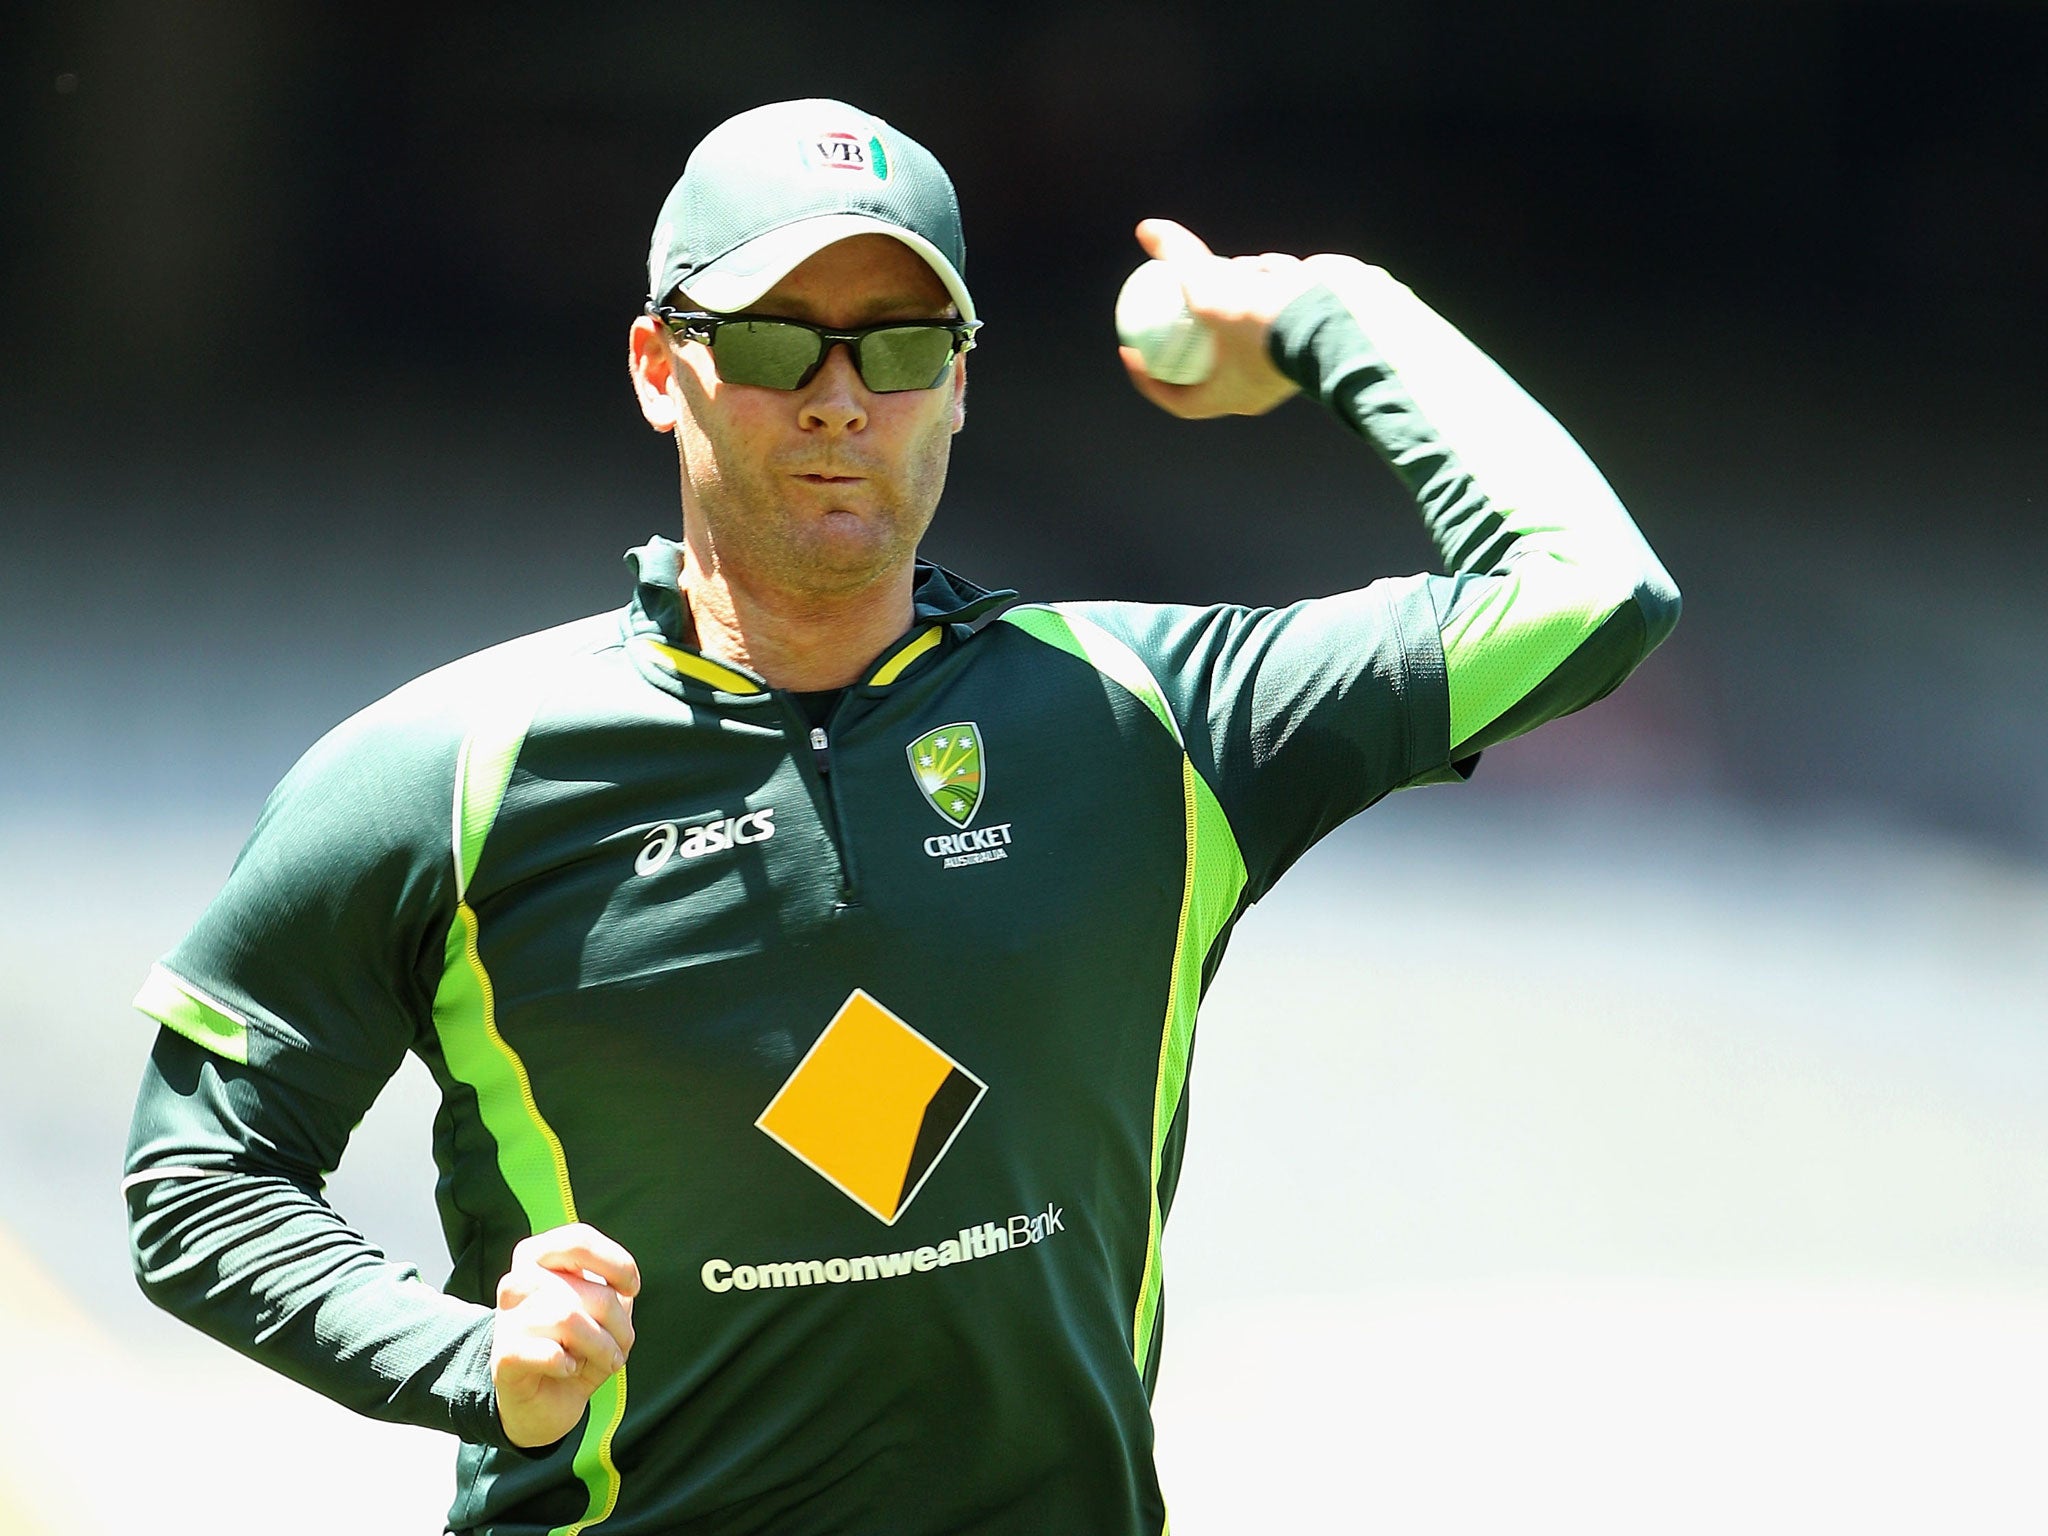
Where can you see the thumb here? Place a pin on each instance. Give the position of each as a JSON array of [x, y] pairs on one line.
[[1168, 241]]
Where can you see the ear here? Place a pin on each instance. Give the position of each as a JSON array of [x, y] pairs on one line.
[[651, 359], [959, 391]]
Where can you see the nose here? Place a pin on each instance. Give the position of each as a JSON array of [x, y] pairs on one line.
[[835, 400]]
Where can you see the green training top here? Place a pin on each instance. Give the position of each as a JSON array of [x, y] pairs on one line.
[[869, 1040]]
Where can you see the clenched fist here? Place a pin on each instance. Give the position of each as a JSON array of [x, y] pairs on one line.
[[564, 1325]]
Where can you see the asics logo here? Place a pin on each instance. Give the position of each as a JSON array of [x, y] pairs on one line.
[[670, 841]]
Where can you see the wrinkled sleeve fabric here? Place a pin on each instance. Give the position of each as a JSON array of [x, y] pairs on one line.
[[282, 1014], [1302, 716]]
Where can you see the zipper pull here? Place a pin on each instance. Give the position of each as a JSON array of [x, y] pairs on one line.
[[821, 749]]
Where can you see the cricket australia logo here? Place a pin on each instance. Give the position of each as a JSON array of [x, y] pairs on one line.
[[947, 766], [952, 775]]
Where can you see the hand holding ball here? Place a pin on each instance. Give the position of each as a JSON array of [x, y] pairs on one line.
[[1153, 318], [1197, 327]]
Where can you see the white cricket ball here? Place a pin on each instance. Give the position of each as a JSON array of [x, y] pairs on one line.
[[1153, 317]]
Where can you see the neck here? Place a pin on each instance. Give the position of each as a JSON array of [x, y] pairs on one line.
[[802, 642]]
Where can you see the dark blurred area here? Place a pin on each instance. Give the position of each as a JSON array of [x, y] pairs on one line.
[[311, 355]]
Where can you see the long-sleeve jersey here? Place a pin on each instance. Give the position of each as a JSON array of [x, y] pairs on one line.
[[870, 1040]]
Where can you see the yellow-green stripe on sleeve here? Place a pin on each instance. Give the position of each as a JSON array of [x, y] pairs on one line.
[[176, 1004]]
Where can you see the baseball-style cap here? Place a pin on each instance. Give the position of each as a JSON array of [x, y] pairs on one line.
[[771, 187]]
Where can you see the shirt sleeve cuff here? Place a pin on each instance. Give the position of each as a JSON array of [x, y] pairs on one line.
[[1313, 339]]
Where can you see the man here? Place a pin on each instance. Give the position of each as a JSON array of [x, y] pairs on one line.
[[808, 954]]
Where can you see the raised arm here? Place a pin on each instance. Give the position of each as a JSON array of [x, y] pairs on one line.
[[1555, 596], [1302, 716]]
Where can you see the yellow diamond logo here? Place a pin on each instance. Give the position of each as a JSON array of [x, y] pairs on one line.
[[872, 1107]]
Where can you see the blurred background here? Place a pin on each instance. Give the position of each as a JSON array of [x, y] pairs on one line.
[[1695, 1179]]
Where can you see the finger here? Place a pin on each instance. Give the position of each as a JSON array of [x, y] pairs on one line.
[[597, 1353], [1141, 379], [577, 1249], [558, 1300], [516, 1352], [1161, 395], [1168, 241], [608, 1308]]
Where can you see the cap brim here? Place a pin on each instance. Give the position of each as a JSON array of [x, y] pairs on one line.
[[739, 277]]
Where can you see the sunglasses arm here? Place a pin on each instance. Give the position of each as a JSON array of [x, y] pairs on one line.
[[683, 323]]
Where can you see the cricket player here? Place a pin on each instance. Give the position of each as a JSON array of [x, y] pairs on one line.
[[808, 951]]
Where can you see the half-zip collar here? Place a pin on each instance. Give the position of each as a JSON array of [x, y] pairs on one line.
[[655, 625]]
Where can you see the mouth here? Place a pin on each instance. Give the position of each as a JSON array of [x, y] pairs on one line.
[[818, 479]]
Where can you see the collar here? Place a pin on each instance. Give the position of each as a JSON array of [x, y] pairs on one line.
[[656, 624]]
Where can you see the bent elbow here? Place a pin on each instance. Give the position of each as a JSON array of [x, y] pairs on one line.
[[164, 1269], [154, 1269], [154, 1283], [1657, 600]]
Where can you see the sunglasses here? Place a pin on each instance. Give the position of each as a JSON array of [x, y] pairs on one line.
[[891, 358]]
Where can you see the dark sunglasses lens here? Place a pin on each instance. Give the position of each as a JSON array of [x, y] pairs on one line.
[[765, 352], [904, 357]]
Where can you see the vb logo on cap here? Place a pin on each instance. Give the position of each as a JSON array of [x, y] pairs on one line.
[[847, 152]]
